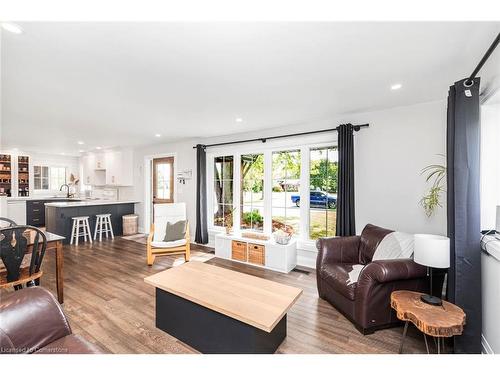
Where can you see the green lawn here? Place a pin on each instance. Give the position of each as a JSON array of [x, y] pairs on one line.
[[322, 223]]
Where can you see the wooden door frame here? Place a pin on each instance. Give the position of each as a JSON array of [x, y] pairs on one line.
[[167, 160], [148, 187]]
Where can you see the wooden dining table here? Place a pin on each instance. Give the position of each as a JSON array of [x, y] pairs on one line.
[[54, 245]]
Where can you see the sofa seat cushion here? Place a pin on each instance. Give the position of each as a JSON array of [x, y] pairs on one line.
[[166, 245], [71, 344], [336, 275]]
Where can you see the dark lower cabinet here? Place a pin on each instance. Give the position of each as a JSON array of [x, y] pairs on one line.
[[35, 210], [59, 219]]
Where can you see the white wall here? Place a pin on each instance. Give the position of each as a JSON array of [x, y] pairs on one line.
[[389, 156]]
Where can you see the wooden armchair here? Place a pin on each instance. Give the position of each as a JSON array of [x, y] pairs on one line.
[[167, 213]]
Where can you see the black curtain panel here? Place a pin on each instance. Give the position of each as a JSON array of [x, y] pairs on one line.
[[345, 195], [201, 196], [463, 141]]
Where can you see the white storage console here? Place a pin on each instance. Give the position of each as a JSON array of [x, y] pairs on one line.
[[260, 253]]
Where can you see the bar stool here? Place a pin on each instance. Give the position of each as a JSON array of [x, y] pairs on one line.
[[103, 225], [80, 228]]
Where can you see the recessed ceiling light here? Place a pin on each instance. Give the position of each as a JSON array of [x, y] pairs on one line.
[[98, 147], [157, 135], [239, 119], [62, 153], [81, 142], [81, 150], [396, 86], [12, 27]]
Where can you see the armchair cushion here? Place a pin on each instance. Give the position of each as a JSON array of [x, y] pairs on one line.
[[336, 275], [167, 244], [166, 213]]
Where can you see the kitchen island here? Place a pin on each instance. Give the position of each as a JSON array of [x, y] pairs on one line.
[[58, 215]]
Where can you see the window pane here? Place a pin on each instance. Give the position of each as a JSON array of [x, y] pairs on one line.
[[252, 192], [163, 178], [323, 192], [285, 186], [223, 190], [252, 218]]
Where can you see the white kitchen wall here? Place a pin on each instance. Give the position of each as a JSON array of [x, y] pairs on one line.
[[389, 156], [71, 163]]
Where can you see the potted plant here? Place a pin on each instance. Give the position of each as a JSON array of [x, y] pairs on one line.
[[432, 200]]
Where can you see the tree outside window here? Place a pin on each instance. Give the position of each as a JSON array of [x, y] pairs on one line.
[[223, 191]]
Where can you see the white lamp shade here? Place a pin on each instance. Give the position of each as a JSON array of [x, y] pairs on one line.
[[432, 251]]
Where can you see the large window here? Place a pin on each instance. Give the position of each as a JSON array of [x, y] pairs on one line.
[[286, 197], [223, 191], [252, 192], [48, 178], [323, 192]]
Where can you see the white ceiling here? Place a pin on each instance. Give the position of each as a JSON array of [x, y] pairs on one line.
[[112, 84]]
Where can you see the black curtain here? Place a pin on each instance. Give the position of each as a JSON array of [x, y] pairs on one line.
[[463, 141], [201, 195], [345, 194]]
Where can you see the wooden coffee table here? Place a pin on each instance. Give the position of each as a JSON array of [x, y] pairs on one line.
[[216, 310], [438, 321]]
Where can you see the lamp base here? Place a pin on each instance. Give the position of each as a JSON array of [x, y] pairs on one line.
[[431, 300]]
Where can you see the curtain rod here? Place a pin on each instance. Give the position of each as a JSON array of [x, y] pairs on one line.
[[265, 139], [490, 50]]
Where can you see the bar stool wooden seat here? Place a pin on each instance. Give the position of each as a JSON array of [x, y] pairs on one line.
[[103, 225], [80, 228]]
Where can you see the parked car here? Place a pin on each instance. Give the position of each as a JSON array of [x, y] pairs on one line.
[[318, 199]]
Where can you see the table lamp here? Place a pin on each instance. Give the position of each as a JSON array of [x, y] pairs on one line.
[[433, 252]]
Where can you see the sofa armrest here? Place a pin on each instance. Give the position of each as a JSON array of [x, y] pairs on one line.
[[31, 319], [384, 271], [337, 250]]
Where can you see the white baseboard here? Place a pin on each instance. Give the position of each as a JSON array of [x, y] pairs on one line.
[[486, 347]]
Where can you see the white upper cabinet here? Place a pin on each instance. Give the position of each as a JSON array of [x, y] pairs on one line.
[[114, 168], [88, 163]]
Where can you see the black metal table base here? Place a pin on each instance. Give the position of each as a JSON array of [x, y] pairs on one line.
[[211, 332], [438, 341]]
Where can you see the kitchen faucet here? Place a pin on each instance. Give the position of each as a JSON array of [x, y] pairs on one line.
[[68, 195]]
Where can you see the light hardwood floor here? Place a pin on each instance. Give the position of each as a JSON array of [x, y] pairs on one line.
[[108, 303]]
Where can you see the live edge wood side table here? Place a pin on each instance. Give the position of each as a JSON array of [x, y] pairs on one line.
[[437, 321]]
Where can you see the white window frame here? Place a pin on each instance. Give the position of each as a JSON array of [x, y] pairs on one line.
[[267, 149], [49, 167]]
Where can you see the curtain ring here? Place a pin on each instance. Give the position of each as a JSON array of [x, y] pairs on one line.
[[467, 84]]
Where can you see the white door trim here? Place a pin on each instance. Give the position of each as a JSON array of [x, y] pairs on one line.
[[148, 203]]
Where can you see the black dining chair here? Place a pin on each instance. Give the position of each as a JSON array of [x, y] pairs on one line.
[[22, 248]]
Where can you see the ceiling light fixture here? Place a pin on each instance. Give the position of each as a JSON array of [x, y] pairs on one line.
[[81, 142], [157, 135], [239, 119], [81, 150], [98, 147], [396, 86], [12, 27]]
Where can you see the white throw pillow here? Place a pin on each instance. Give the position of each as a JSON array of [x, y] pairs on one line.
[[394, 246]]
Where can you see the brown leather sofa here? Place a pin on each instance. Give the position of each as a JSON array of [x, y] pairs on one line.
[[32, 321], [365, 303]]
